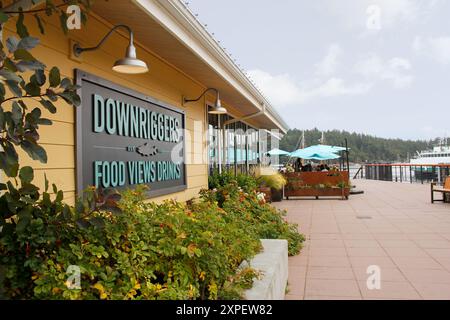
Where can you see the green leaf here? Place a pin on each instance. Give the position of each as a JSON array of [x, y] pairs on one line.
[[79, 207], [83, 18], [45, 122], [9, 75], [3, 17], [10, 65], [35, 114], [12, 44], [24, 220], [9, 159], [22, 31], [35, 151], [51, 95], [26, 175], [55, 77], [59, 196], [66, 83], [48, 105], [28, 43], [31, 135], [29, 189], [40, 77], [24, 65], [45, 183], [63, 21], [2, 93], [71, 97], [22, 54], [16, 113], [13, 86], [67, 213], [97, 222], [39, 23], [32, 89]]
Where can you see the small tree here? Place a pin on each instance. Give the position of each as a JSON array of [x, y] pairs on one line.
[[29, 220]]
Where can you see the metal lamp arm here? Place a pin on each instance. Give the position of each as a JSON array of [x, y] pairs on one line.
[[78, 50], [204, 92]]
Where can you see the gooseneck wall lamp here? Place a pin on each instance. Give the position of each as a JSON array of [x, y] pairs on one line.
[[216, 109], [129, 64]]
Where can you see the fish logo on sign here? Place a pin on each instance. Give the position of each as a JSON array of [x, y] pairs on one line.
[[147, 150]]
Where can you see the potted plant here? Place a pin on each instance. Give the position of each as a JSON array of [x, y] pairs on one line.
[[273, 184]]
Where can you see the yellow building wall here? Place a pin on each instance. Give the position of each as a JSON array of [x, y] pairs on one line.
[[163, 82]]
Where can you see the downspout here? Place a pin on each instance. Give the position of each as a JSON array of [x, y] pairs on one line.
[[225, 123]]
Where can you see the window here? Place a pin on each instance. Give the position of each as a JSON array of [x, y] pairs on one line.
[[240, 152]]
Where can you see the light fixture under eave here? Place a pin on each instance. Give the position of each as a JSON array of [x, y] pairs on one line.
[[217, 108], [129, 64]]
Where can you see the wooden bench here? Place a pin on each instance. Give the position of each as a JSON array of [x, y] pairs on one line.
[[445, 190]]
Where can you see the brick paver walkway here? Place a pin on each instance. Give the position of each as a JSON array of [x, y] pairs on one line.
[[392, 225]]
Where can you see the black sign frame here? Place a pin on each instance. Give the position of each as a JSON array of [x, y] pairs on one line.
[[81, 76]]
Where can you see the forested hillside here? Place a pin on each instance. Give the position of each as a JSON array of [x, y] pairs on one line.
[[363, 147]]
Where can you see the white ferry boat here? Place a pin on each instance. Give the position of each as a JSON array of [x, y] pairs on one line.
[[438, 155]]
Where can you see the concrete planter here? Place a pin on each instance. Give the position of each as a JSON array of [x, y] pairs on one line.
[[273, 263]]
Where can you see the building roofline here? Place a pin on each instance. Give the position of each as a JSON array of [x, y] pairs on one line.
[[176, 17]]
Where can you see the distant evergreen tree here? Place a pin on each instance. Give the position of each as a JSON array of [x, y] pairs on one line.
[[364, 148]]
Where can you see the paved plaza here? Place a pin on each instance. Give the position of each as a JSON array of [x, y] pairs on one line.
[[392, 225]]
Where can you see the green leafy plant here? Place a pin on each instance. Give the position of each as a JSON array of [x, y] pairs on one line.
[[29, 219], [342, 185], [150, 251], [36, 227], [259, 218], [19, 122], [275, 181]]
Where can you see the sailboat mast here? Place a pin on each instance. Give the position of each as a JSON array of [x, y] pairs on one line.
[[303, 139]]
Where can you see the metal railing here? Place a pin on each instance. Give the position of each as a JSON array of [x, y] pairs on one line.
[[408, 173]]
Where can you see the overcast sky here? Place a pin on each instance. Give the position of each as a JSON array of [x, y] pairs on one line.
[[373, 66]]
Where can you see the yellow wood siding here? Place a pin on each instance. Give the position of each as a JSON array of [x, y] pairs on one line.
[[163, 82]]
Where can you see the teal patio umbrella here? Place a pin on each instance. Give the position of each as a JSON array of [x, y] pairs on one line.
[[318, 152], [322, 148], [306, 154]]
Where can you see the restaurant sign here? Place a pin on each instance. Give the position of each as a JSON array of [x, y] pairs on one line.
[[125, 138]]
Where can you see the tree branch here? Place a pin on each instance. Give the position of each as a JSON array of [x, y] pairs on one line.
[[23, 97]]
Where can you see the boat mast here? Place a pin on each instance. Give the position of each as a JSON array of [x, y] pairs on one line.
[[322, 139], [303, 139]]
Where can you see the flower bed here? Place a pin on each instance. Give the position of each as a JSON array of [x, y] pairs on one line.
[[127, 248], [239, 196]]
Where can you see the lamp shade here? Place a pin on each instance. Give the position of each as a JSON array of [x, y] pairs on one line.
[[218, 109], [130, 66]]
